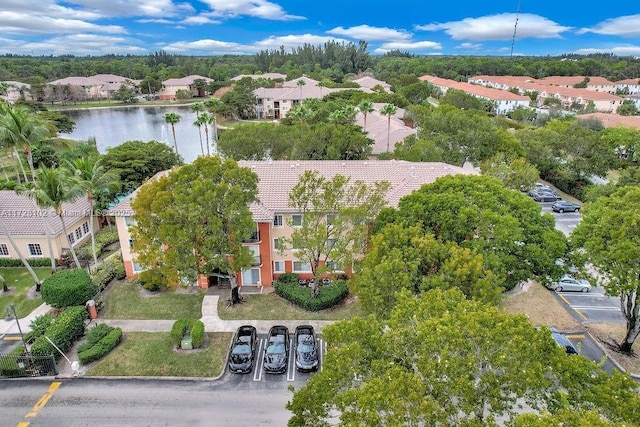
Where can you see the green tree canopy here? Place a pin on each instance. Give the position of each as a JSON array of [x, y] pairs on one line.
[[440, 359], [476, 212], [193, 220]]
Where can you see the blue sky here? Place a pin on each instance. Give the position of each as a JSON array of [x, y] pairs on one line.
[[216, 27]]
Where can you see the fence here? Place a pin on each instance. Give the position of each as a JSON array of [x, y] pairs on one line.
[[18, 366]]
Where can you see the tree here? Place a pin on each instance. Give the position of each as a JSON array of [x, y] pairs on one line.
[[405, 257], [517, 243], [336, 215], [301, 83], [173, 119], [193, 221], [53, 187], [26, 264], [608, 233], [125, 93], [93, 179], [214, 106], [365, 107], [137, 161], [628, 108], [198, 107], [205, 120], [21, 129], [516, 174], [440, 359], [388, 110]]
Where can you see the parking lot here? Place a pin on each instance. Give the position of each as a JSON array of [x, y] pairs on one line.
[[292, 375]]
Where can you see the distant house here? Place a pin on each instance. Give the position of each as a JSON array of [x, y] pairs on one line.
[[275, 219], [370, 82], [171, 86], [270, 76], [28, 226], [84, 87], [112, 83], [275, 103], [631, 85], [378, 127]]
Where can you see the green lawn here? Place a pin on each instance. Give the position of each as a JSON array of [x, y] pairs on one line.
[[151, 354], [19, 281], [127, 300], [273, 307]]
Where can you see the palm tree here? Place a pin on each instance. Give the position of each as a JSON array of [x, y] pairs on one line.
[[301, 83], [365, 107], [20, 128], [173, 119], [388, 110], [4, 284], [214, 106], [198, 107], [6, 232], [53, 187], [206, 119], [321, 84], [93, 179]]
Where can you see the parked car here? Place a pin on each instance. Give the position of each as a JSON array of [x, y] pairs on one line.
[[541, 188], [563, 341], [243, 349], [306, 349], [276, 354], [564, 206], [570, 283], [546, 196]]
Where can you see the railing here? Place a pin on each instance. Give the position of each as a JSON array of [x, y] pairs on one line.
[[257, 261], [18, 366], [254, 238]]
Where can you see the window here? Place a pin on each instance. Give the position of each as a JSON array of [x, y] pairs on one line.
[[330, 243], [4, 250], [301, 266], [137, 268], [34, 249], [129, 221], [85, 227], [130, 243], [277, 221], [78, 233], [72, 239], [278, 266], [296, 220], [278, 244], [251, 276]]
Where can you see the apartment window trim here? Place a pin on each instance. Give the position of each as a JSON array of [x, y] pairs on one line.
[[278, 220], [294, 223], [275, 266], [85, 227], [301, 265], [4, 250], [35, 250]]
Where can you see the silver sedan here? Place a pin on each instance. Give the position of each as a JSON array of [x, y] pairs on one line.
[[570, 283]]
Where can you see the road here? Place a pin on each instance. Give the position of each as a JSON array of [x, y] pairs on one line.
[[106, 403]]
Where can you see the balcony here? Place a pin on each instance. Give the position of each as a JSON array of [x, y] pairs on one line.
[[254, 238], [257, 261]]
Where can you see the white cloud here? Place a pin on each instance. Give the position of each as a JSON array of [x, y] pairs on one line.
[[411, 45], [15, 23], [367, 32], [469, 46], [207, 47], [258, 8], [199, 20], [118, 8], [293, 41], [624, 26], [82, 44], [617, 50], [498, 27]]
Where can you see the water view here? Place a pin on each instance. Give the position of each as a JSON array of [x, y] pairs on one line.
[[113, 126]]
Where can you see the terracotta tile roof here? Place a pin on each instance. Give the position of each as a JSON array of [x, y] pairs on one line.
[[572, 80], [294, 83], [22, 217], [613, 120], [369, 82], [377, 128], [278, 177], [485, 92]]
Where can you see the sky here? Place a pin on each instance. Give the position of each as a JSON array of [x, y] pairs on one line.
[[217, 27]]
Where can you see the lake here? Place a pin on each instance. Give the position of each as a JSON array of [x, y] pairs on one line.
[[113, 126]]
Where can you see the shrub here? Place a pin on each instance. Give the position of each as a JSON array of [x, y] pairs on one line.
[[67, 288], [328, 296], [94, 335], [33, 262], [152, 280], [101, 348], [288, 278], [104, 237], [38, 327], [185, 326], [106, 272], [64, 331], [197, 334]]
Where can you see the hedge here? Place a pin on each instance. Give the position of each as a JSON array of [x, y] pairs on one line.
[[112, 268], [38, 327], [328, 296], [64, 331], [104, 237], [184, 326], [35, 262], [94, 335], [101, 348], [67, 288]]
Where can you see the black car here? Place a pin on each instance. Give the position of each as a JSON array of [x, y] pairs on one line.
[[243, 349], [564, 206], [306, 349], [563, 341], [276, 354], [546, 196]]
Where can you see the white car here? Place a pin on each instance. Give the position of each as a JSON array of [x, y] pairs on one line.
[[570, 283]]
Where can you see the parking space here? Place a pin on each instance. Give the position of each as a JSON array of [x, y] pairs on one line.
[[588, 348], [593, 306], [292, 375]]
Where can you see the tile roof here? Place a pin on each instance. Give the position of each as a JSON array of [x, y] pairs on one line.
[[294, 83], [369, 82], [22, 217], [485, 92], [272, 76], [377, 128], [278, 177], [613, 120], [185, 81], [78, 81]]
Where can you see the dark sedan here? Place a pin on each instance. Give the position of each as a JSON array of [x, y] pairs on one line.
[[564, 206], [546, 196], [306, 349], [277, 351], [243, 349]]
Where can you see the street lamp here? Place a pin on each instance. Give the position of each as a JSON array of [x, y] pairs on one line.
[[11, 314]]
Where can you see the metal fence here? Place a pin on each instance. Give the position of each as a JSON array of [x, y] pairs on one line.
[[17, 366]]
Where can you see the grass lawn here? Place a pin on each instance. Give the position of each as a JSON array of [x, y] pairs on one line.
[[151, 354], [19, 282], [127, 300], [272, 307]]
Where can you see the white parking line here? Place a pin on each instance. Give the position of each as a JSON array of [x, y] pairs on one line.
[[257, 370], [590, 307], [291, 368]]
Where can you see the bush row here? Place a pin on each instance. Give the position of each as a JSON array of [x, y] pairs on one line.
[[328, 296], [184, 326], [33, 262], [110, 338], [111, 268], [104, 237], [67, 288], [63, 332]]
